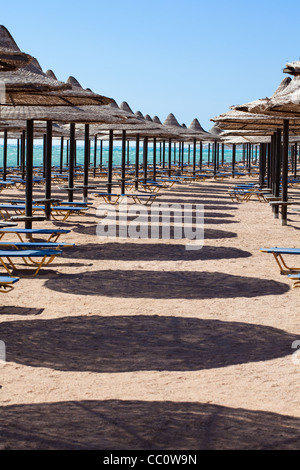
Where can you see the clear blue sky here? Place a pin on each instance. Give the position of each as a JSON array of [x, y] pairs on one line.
[[188, 57]]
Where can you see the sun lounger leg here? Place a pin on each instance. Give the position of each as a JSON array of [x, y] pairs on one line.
[[5, 267], [6, 288], [281, 263]]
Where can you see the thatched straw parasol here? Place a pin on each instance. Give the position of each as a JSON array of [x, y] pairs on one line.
[[285, 102], [33, 95], [156, 120], [11, 57], [284, 108], [171, 121], [139, 114], [194, 131], [196, 126], [241, 120], [125, 107]]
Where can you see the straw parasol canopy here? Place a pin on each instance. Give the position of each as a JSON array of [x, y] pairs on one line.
[[234, 119], [139, 114], [285, 102], [184, 133], [171, 121], [156, 120], [132, 123], [125, 107], [30, 86], [15, 127], [11, 57], [27, 84], [196, 126]]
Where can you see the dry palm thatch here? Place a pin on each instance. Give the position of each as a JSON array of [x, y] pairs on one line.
[[127, 121], [11, 58], [67, 114], [125, 107], [30, 86], [15, 128], [171, 121], [196, 126], [156, 120], [139, 114], [239, 120], [292, 68], [285, 102], [50, 74], [38, 89], [186, 134]]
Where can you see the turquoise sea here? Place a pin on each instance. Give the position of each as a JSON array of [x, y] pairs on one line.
[[117, 153]]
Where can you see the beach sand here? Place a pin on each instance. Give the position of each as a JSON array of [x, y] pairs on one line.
[[142, 344]]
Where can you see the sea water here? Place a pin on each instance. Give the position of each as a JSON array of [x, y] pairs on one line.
[[117, 154]]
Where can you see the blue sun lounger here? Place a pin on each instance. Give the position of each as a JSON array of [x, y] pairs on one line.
[[52, 234], [34, 245], [278, 253], [109, 198], [60, 203], [295, 277], [6, 283], [56, 211], [45, 257], [149, 185]]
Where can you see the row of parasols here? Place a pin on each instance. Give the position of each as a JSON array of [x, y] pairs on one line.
[[274, 123], [35, 103]]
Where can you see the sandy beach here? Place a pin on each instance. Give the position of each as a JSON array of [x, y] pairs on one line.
[[141, 344]]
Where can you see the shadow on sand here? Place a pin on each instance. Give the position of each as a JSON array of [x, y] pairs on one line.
[[141, 425], [117, 344], [164, 284], [151, 252], [12, 310]]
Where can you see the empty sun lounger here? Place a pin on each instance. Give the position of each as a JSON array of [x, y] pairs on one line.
[[138, 198], [152, 186], [34, 245], [278, 253], [109, 198], [51, 234], [145, 198], [56, 211], [45, 257], [6, 283], [246, 194], [168, 182], [57, 202], [295, 277]]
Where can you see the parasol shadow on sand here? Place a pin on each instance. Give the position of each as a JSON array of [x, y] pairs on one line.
[[103, 425], [116, 344], [153, 251], [161, 285]]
